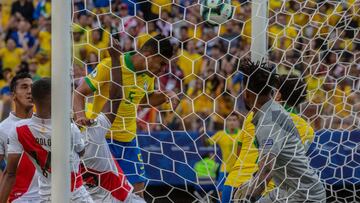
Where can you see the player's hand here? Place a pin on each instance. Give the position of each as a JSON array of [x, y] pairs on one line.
[[84, 121], [114, 49], [173, 99], [242, 193]]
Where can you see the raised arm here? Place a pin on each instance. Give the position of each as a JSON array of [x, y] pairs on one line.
[[111, 107]]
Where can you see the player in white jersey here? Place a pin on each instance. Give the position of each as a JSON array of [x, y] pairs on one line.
[[26, 187], [102, 175], [33, 136]]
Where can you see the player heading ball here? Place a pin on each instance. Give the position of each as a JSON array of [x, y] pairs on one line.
[[138, 71]]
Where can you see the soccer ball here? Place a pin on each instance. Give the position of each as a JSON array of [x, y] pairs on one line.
[[216, 12]]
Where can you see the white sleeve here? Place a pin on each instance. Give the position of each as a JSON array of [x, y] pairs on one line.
[[3, 142], [78, 144], [98, 132], [14, 146]]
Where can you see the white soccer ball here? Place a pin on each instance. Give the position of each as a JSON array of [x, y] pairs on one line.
[[216, 12]]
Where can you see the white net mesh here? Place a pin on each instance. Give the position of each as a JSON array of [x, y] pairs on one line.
[[186, 150]]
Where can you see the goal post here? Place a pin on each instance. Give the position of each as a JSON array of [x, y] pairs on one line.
[[259, 22], [61, 100]]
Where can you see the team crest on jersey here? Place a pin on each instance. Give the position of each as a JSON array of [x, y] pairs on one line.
[[269, 142], [146, 85], [93, 73]]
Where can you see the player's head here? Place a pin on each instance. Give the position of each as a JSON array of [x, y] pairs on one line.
[[20, 87], [291, 90], [41, 93], [232, 121], [259, 82], [158, 51]]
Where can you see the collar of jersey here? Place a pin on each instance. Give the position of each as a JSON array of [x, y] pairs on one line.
[[40, 120], [128, 62], [291, 109], [228, 132], [13, 117]]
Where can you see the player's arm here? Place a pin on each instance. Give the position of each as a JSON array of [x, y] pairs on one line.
[[263, 176], [159, 97], [80, 94], [90, 84], [9, 176], [270, 142], [111, 107]]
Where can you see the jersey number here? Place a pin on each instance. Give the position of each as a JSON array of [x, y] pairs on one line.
[[46, 168], [131, 97]]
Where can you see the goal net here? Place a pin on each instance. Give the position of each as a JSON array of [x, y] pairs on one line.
[[186, 151]]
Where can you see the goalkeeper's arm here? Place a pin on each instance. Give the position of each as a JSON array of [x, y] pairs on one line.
[[263, 176]]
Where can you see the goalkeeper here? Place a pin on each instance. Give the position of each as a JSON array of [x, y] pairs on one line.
[[281, 153], [138, 71], [246, 164]]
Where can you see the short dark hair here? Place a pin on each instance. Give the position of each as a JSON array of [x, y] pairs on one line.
[[234, 114], [41, 89], [292, 89], [259, 77], [19, 76], [159, 45]]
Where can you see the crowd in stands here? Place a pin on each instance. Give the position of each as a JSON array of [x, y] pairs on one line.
[[316, 40]]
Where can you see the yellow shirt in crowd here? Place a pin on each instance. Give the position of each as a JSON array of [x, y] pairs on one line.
[[190, 64], [228, 144], [11, 59]]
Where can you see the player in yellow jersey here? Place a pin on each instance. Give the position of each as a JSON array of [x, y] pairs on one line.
[[138, 71], [227, 140], [291, 92]]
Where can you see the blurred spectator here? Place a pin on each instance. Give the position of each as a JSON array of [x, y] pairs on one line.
[[190, 62], [7, 76], [22, 36], [42, 9], [33, 69], [11, 55], [23, 9]]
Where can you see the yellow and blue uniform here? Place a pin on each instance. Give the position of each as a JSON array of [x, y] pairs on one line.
[[246, 164], [228, 143], [122, 136]]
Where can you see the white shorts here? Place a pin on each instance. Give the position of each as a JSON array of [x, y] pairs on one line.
[[132, 198], [26, 200], [80, 195]]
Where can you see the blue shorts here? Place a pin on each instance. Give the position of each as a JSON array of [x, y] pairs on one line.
[[221, 178], [227, 194], [129, 157], [2, 165]]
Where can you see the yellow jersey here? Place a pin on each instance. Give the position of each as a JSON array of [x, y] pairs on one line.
[[228, 144], [11, 59], [136, 86], [246, 164], [190, 64]]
